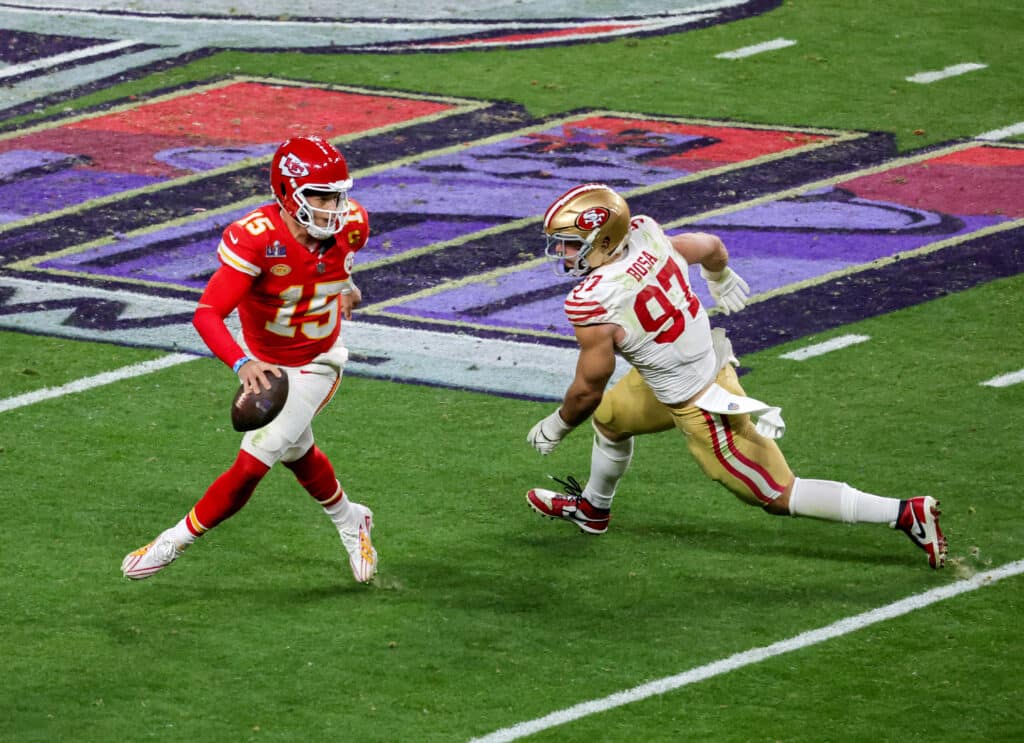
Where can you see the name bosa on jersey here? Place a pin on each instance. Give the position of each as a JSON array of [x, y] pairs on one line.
[[646, 289]]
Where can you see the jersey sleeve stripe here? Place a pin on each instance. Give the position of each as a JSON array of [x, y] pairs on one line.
[[571, 306], [578, 317], [235, 261]]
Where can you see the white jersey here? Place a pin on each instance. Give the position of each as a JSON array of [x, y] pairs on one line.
[[647, 293]]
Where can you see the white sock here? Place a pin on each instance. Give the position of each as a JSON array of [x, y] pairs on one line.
[[608, 463], [340, 512], [181, 534], [836, 501]]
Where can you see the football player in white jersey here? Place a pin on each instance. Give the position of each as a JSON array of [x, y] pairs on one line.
[[634, 298]]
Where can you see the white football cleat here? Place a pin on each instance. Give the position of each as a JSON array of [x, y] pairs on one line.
[[355, 535], [152, 558]]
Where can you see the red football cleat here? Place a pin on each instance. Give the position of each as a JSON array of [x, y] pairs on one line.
[[573, 507], [919, 520]]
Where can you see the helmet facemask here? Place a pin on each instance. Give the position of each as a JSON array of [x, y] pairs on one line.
[[306, 213], [579, 265]]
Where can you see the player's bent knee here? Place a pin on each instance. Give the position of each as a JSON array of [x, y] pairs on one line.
[[269, 445], [608, 433], [299, 449], [616, 446], [777, 507]]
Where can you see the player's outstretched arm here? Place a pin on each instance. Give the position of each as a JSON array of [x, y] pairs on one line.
[[727, 287], [594, 367]]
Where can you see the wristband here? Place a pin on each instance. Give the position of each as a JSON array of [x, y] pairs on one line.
[[240, 363], [560, 424], [712, 275]]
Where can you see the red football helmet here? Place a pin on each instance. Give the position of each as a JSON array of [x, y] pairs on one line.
[[311, 164]]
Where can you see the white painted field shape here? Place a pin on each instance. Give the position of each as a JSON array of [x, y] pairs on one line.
[[819, 349], [88, 383], [59, 59], [958, 69], [749, 657], [749, 51], [1005, 133], [1005, 380]]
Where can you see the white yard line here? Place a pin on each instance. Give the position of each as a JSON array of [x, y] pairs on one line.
[[87, 383], [958, 69], [756, 655], [1005, 380], [59, 59], [1007, 131], [818, 349], [749, 51]]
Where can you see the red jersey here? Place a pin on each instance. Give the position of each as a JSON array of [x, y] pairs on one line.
[[292, 311]]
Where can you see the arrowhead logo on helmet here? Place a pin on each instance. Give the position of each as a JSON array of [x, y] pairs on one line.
[[292, 167]]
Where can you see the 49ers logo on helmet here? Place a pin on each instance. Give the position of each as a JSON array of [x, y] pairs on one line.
[[592, 218], [292, 167]]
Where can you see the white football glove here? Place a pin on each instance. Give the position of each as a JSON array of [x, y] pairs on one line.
[[544, 436], [728, 288]]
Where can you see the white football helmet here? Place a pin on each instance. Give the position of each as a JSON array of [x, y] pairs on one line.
[[593, 216]]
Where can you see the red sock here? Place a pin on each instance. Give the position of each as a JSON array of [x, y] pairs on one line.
[[229, 492], [315, 473]]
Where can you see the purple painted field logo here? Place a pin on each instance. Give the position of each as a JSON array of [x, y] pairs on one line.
[[425, 204], [184, 134], [456, 241]]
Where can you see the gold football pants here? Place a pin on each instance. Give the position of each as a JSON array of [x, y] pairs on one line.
[[726, 447]]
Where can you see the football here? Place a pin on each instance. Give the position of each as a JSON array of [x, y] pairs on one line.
[[250, 411]]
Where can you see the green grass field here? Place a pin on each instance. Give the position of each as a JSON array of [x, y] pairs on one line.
[[484, 615]]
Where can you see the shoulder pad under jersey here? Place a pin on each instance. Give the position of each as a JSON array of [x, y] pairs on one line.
[[356, 231], [244, 243], [585, 304]]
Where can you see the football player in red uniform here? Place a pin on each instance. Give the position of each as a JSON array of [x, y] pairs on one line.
[[635, 298], [286, 267]]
